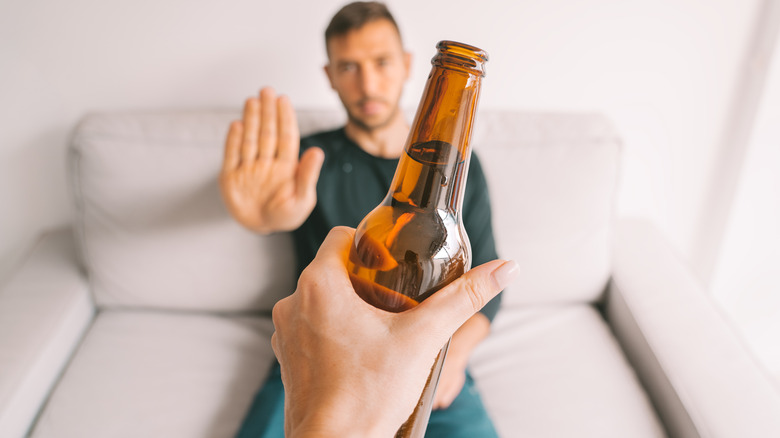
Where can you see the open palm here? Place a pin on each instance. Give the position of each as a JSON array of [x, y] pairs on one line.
[[264, 184]]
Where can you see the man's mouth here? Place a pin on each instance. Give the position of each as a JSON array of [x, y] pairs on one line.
[[371, 106]]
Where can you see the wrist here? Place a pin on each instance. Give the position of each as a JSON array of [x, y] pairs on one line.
[[331, 428], [340, 417]]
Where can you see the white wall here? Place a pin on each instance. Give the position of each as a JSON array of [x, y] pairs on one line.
[[747, 278], [663, 69]]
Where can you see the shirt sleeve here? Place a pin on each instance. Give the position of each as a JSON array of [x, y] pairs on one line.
[[477, 220]]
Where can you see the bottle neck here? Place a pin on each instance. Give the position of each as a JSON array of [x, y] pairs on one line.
[[432, 172]]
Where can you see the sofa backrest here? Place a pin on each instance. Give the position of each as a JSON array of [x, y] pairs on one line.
[[553, 186], [154, 233]]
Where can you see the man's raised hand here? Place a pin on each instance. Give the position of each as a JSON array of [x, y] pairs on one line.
[[263, 183]]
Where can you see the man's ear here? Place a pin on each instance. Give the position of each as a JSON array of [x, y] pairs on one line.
[[328, 73], [408, 63]]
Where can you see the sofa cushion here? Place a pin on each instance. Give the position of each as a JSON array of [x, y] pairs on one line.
[[147, 374], [176, 375], [566, 375], [153, 230], [553, 187]]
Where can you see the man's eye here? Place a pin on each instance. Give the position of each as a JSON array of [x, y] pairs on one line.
[[346, 68]]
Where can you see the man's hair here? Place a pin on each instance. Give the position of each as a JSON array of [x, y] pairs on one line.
[[354, 16]]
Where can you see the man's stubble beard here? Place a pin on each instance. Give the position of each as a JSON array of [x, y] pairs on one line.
[[370, 128]]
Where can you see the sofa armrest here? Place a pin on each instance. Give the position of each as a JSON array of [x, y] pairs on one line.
[[699, 374], [45, 308]]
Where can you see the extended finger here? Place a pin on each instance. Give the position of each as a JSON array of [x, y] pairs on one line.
[[446, 310], [251, 130], [289, 136], [233, 146], [268, 124], [309, 173]]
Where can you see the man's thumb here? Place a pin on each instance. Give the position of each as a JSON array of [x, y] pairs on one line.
[[446, 310], [309, 171]]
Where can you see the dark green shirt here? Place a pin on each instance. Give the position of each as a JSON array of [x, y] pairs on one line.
[[352, 182]]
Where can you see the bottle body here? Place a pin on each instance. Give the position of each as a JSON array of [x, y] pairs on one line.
[[405, 250], [414, 242]]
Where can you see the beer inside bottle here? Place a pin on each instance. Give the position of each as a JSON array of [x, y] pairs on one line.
[[414, 243]]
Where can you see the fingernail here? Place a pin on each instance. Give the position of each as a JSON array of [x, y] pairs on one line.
[[504, 274]]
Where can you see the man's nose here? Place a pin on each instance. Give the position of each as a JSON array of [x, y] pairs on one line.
[[369, 80]]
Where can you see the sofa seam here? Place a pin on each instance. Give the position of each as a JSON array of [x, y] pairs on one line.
[[79, 225]]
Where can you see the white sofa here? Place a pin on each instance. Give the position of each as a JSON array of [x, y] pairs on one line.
[[150, 316]]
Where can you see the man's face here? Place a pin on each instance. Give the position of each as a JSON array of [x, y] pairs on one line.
[[367, 68]]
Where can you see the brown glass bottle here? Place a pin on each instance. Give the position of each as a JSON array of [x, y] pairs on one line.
[[414, 243]]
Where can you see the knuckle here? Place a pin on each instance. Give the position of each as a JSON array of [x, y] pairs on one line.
[[474, 293], [287, 135], [277, 312], [276, 346], [268, 130], [344, 231]]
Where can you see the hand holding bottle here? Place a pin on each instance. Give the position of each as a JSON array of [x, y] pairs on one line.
[[264, 184], [414, 242], [350, 369]]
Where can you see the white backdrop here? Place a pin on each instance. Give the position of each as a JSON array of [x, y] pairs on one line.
[[664, 70], [746, 280]]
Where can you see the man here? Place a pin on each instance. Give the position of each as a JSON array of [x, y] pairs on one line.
[[337, 179], [362, 345]]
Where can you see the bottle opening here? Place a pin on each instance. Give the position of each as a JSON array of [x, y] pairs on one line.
[[460, 56]]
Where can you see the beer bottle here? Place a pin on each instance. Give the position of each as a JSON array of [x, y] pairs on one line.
[[414, 242]]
